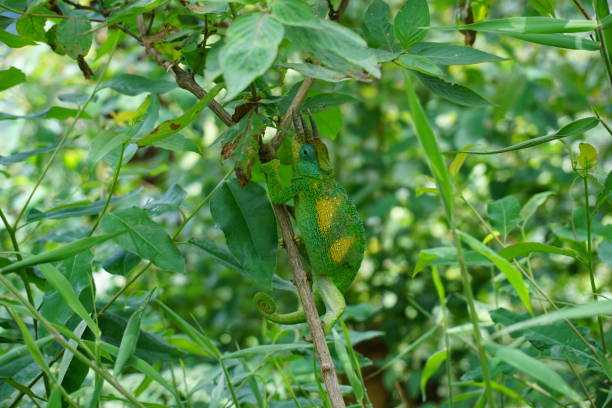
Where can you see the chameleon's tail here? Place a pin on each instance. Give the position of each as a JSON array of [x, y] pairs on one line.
[[267, 307]]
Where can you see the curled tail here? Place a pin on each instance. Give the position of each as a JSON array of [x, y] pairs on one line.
[[267, 307]]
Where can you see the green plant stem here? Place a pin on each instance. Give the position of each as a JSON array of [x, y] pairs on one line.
[[469, 295], [228, 380], [111, 191], [589, 258]]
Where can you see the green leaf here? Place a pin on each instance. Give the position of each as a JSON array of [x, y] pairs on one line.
[[247, 220], [14, 41], [62, 252], [121, 262], [132, 85], [218, 253], [130, 337], [509, 271], [505, 214], [21, 351], [267, 349], [526, 25], [577, 127], [62, 285], [324, 101], [33, 348], [197, 336], [169, 201], [588, 156], [144, 237], [54, 112], [525, 248], [409, 22], [250, 48], [78, 209], [73, 36], [420, 64], [559, 40], [294, 13], [172, 126], [533, 204], [533, 368], [429, 144], [347, 366], [31, 27], [453, 92], [377, 30], [317, 72], [591, 309], [19, 157], [448, 54], [544, 7], [431, 366]]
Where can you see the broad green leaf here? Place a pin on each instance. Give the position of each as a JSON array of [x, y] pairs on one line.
[[247, 220], [130, 338], [250, 48], [429, 144], [62, 252], [31, 27], [337, 47], [169, 201], [559, 40], [533, 204], [448, 54], [218, 253], [525, 248], [172, 126], [455, 93], [577, 127], [121, 262], [533, 368], [77, 271], [11, 77], [504, 214], [588, 156], [420, 64], [62, 285], [132, 85], [144, 237], [294, 13], [317, 72], [19, 157], [78, 209], [266, 349], [544, 337], [509, 271], [197, 336], [409, 22], [324, 101], [33, 348], [14, 41], [73, 36], [376, 27], [591, 309], [526, 25], [431, 366]]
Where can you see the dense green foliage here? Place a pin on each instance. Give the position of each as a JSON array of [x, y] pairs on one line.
[[135, 226]]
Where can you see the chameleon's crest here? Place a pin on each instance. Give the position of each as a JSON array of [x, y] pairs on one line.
[[310, 135]]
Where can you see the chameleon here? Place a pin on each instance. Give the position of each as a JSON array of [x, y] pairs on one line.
[[330, 229]]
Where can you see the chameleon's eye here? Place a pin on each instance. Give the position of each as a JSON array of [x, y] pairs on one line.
[[307, 152]]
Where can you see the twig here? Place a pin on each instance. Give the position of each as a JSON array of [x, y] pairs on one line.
[[328, 371]]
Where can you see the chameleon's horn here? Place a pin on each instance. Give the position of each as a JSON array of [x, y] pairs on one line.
[[297, 125], [313, 125], [307, 132]]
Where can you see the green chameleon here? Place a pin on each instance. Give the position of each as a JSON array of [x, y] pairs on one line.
[[329, 226]]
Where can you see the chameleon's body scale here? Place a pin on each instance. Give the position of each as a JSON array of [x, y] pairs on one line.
[[329, 227]]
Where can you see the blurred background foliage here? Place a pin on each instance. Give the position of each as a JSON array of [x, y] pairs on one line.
[[534, 91]]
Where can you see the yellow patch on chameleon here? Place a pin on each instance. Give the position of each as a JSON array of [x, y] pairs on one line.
[[326, 209], [340, 247]]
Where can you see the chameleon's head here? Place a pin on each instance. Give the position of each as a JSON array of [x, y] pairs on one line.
[[308, 163]]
